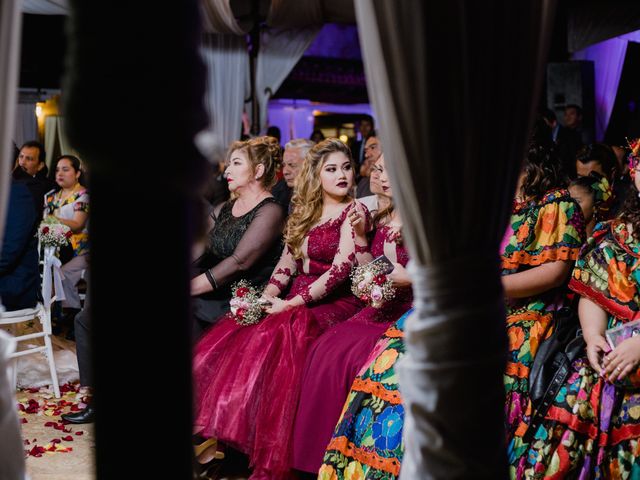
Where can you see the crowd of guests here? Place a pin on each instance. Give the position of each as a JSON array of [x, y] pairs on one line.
[[311, 388], [35, 195]]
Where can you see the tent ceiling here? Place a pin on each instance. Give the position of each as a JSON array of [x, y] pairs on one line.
[[237, 16]]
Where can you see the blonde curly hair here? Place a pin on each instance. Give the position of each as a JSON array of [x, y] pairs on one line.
[[261, 150], [307, 197]]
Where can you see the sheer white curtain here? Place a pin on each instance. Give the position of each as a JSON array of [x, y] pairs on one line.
[[279, 52], [227, 62], [10, 28], [11, 453], [436, 73], [45, 7], [55, 139], [608, 59], [26, 127]]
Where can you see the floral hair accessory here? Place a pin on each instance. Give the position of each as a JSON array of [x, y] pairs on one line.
[[603, 195], [633, 157], [245, 304]]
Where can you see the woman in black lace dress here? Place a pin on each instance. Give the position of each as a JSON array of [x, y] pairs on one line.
[[245, 235]]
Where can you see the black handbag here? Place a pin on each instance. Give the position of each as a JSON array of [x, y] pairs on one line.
[[552, 365]]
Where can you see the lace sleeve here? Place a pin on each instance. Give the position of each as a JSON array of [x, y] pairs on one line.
[[264, 230], [282, 274], [344, 260]]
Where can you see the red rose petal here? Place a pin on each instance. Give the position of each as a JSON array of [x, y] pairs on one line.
[[23, 420], [50, 424], [79, 433], [68, 438], [56, 440]]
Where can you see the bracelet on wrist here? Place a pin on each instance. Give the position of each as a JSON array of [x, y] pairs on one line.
[[211, 278]]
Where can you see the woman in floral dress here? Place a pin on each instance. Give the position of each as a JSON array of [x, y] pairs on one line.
[[592, 429], [545, 233]]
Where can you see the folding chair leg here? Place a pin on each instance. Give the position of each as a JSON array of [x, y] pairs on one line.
[[52, 366], [13, 365]]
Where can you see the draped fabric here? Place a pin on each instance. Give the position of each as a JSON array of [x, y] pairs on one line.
[[227, 62], [608, 59], [279, 52], [45, 7], [55, 140], [294, 13], [10, 28], [218, 17], [151, 76], [454, 170], [12, 452], [593, 21], [26, 126]]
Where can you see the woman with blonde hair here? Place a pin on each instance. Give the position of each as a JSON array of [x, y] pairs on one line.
[[244, 240], [247, 378]]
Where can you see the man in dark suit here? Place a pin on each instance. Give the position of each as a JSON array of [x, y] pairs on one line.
[[30, 165], [357, 148], [19, 276]]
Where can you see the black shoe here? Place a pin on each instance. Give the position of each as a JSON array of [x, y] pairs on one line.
[[83, 416], [71, 334]]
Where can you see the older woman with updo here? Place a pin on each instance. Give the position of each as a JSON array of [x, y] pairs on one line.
[[245, 232]]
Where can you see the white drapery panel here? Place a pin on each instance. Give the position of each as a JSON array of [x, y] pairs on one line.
[[55, 139], [26, 127], [279, 52], [218, 17], [11, 454], [453, 173], [45, 7], [608, 59], [10, 29], [227, 63]]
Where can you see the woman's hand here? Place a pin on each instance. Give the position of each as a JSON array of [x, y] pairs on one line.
[[277, 305], [596, 347], [358, 219], [399, 276], [622, 360], [199, 285]]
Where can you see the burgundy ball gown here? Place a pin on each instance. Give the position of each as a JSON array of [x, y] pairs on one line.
[[247, 378], [335, 359]]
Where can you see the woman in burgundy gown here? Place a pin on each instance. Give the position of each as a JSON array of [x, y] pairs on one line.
[[336, 357], [247, 378]]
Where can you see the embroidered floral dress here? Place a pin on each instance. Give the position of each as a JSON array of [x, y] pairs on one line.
[[247, 378], [335, 359], [549, 230], [367, 442], [592, 429], [78, 201]]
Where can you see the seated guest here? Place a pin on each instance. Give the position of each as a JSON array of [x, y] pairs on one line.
[[541, 243], [338, 354], [247, 376], [316, 136], [601, 159], [30, 164], [592, 428], [592, 193], [69, 204], [294, 153], [368, 437], [19, 275], [372, 152], [83, 353], [245, 232]]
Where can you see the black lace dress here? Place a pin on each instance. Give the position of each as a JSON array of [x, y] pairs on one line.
[[245, 247]]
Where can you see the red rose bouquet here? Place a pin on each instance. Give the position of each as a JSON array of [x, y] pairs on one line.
[[245, 303]]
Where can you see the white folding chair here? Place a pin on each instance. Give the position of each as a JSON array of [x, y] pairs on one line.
[[41, 312]]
